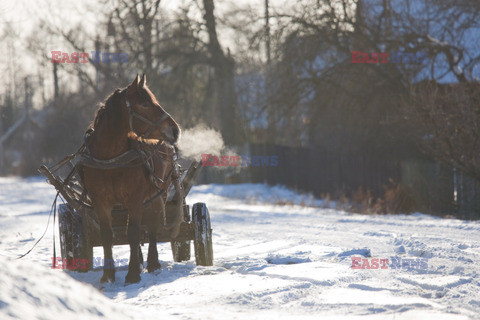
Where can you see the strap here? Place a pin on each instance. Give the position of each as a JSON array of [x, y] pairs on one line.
[[122, 161], [150, 123], [132, 113]]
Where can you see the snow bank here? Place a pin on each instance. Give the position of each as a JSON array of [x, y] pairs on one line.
[[30, 291], [260, 193]]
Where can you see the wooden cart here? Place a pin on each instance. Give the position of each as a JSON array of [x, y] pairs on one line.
[[80, 231]]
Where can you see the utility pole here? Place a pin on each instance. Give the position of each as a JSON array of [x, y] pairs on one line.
[[267, 33], [55, 83], [97, 64], [271, 132], [29, 132]]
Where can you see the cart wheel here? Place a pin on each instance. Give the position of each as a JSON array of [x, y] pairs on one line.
[[181, 249], [76, 253], [203, 235]]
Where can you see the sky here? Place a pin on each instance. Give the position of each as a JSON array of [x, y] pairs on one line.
[[23, 16], [23, 13]]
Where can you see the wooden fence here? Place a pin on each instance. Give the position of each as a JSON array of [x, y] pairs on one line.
[[435, 189]]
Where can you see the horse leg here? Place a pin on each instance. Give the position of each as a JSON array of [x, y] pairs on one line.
[[133, 234], [106, 233], [152, 259]]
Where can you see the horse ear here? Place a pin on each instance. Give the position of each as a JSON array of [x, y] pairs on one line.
[[143, 81], [136, 81]]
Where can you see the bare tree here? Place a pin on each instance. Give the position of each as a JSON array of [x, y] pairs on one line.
[[446, 118], [224, 82]]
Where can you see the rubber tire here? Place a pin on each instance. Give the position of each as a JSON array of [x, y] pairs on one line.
[[73, 242], [203, 235], [181, 249]]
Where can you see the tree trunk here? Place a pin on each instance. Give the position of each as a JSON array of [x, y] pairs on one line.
[[224, 83]]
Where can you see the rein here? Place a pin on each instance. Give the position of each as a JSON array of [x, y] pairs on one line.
[[122, 161], [142, 155], [139, 156], [132, 113]]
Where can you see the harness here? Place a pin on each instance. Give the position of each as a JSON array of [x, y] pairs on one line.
[[138, 156], [132, 113], [142, 155]]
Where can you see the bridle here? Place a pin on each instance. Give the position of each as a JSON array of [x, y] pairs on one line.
[[132, 155], [147, 159], [174, 173], [152, 124]]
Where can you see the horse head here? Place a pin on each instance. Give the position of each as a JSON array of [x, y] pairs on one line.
[[147, 119]]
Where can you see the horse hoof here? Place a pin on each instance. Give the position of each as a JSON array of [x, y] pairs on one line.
[[152, 266], [132, 278]]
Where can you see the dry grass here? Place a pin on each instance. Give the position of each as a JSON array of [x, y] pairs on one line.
[[396, 199]]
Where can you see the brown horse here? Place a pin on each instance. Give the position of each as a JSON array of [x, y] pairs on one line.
[[130, 118]]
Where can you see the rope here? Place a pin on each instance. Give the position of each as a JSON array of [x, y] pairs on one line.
[[54, 210]]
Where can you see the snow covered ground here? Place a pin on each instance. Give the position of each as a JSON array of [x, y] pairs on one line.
[[271, 262]]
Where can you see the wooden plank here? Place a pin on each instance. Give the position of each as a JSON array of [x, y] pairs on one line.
[[187, 180]]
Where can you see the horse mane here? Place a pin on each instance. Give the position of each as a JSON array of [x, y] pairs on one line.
[[109, 112]]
